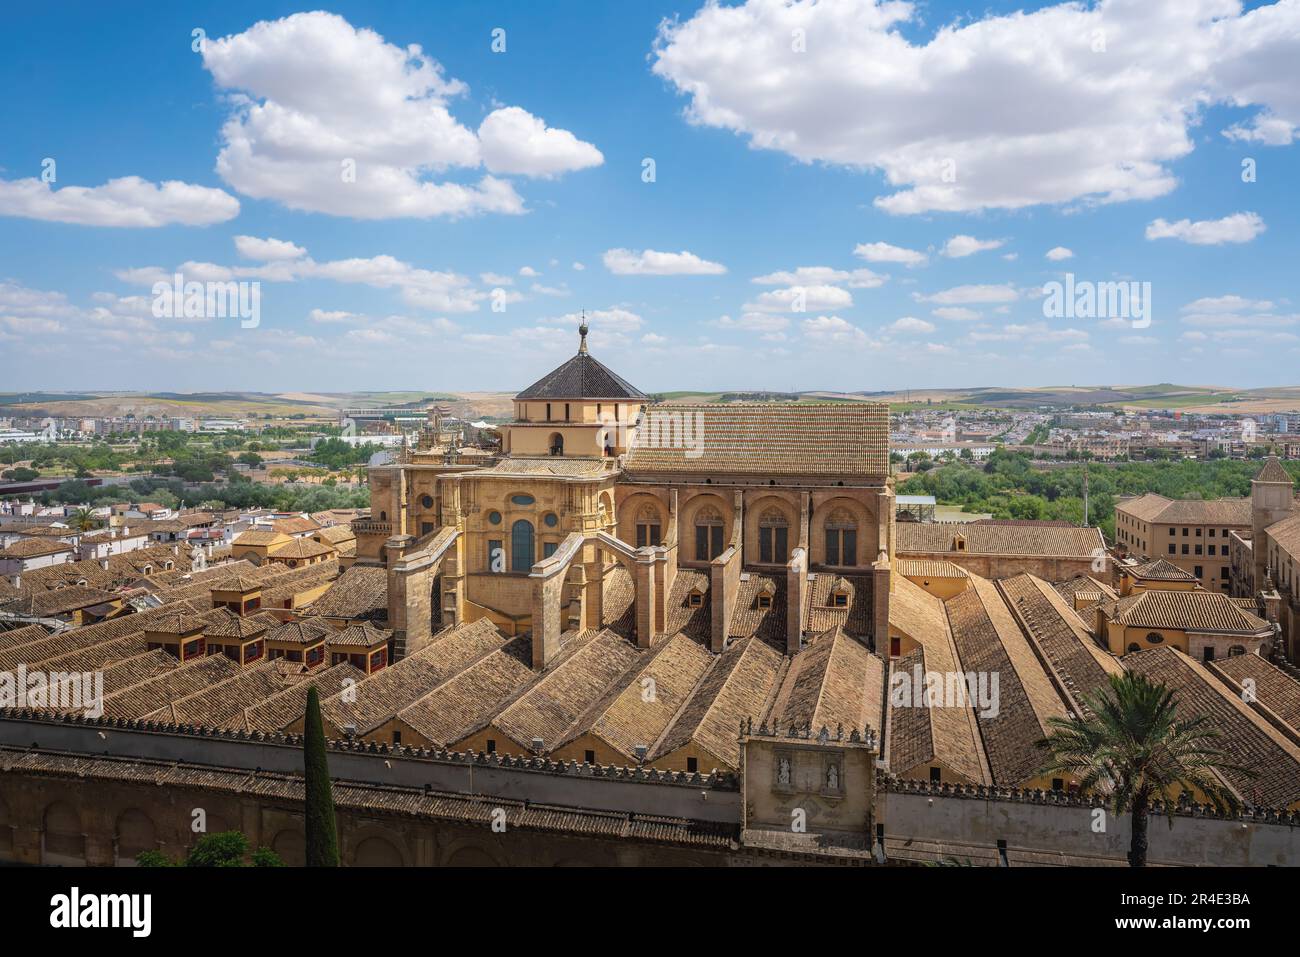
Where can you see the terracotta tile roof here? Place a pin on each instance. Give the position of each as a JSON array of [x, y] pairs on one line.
[[1085, 588], [920, 734], [1245, 737], [989, 641], [472, 697], [337, 534], [833, 683], [257, 536], [294, 526], [20, 636], [34, 548], [627, 716], [1285, 534], [58, 601], [1152, 508], [577, 681], [386, 692], [850, 438], [360, 592], [737, 687], [284, 708], [1273, 471], [222, 704], [697, 622], [1054, 541], [1158, 570], [1274, 689], [305, 631], [769, 623], [1200, 611], [358, 634], [928, 568], [85, 572], [302, 548], [144, 697], [224, 623], [78, 638], [618, 601], [856, 619], [1081, 666]]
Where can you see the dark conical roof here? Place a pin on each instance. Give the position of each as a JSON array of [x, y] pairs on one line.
[[582, 377], [1273, 472]]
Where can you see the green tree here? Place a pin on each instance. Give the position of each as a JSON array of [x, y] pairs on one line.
[[1135, 751], [225, 849], [322, 837], [83, 520]]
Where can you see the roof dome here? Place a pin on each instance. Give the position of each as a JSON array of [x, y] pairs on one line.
[[582, 377]]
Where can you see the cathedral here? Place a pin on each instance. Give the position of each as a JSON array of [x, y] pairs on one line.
[[716, 524]]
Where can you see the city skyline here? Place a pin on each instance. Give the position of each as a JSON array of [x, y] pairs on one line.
[[887, 221]]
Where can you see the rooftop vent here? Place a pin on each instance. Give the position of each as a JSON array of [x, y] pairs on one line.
[[538, 745], [641, 751]]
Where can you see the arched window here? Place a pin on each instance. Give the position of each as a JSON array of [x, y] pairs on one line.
[[1236, 650], [708, 534], [522, 551], [1155, 638], [773, 537], [648, 528], [1134, 646], [841, 530], [557, 443]]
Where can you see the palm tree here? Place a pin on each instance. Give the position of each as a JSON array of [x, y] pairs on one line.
[[83, 520], [1133, 750]]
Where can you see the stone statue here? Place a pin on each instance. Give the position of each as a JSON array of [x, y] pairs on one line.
[[783, 771], [833, 778]]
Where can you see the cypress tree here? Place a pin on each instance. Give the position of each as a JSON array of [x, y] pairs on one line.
[[322, 836]]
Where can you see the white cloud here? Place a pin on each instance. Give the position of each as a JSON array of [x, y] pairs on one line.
[[1229, 303], [886, 253], [835, 331], [822, 275], [333, 119], [332, 315], [801, 299], [128, 201], [1058, 253], [754, 322], [528, 272], [876, 88], [910, 324], [648, 262], [961, 245], [962, 295], [515, 141], [956, 313], [267, 250], [578, 267], [1237, 228]]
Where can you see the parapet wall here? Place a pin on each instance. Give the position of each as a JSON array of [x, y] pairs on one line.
[[1071, 829]]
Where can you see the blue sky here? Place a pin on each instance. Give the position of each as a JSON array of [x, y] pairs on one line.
[[917, 162]]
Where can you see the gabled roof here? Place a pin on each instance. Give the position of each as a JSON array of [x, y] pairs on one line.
[[582, 377], [843, 438], [1202, 611], [1159, 570]]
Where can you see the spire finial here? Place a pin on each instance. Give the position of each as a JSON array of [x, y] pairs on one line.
[[582, 334]]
